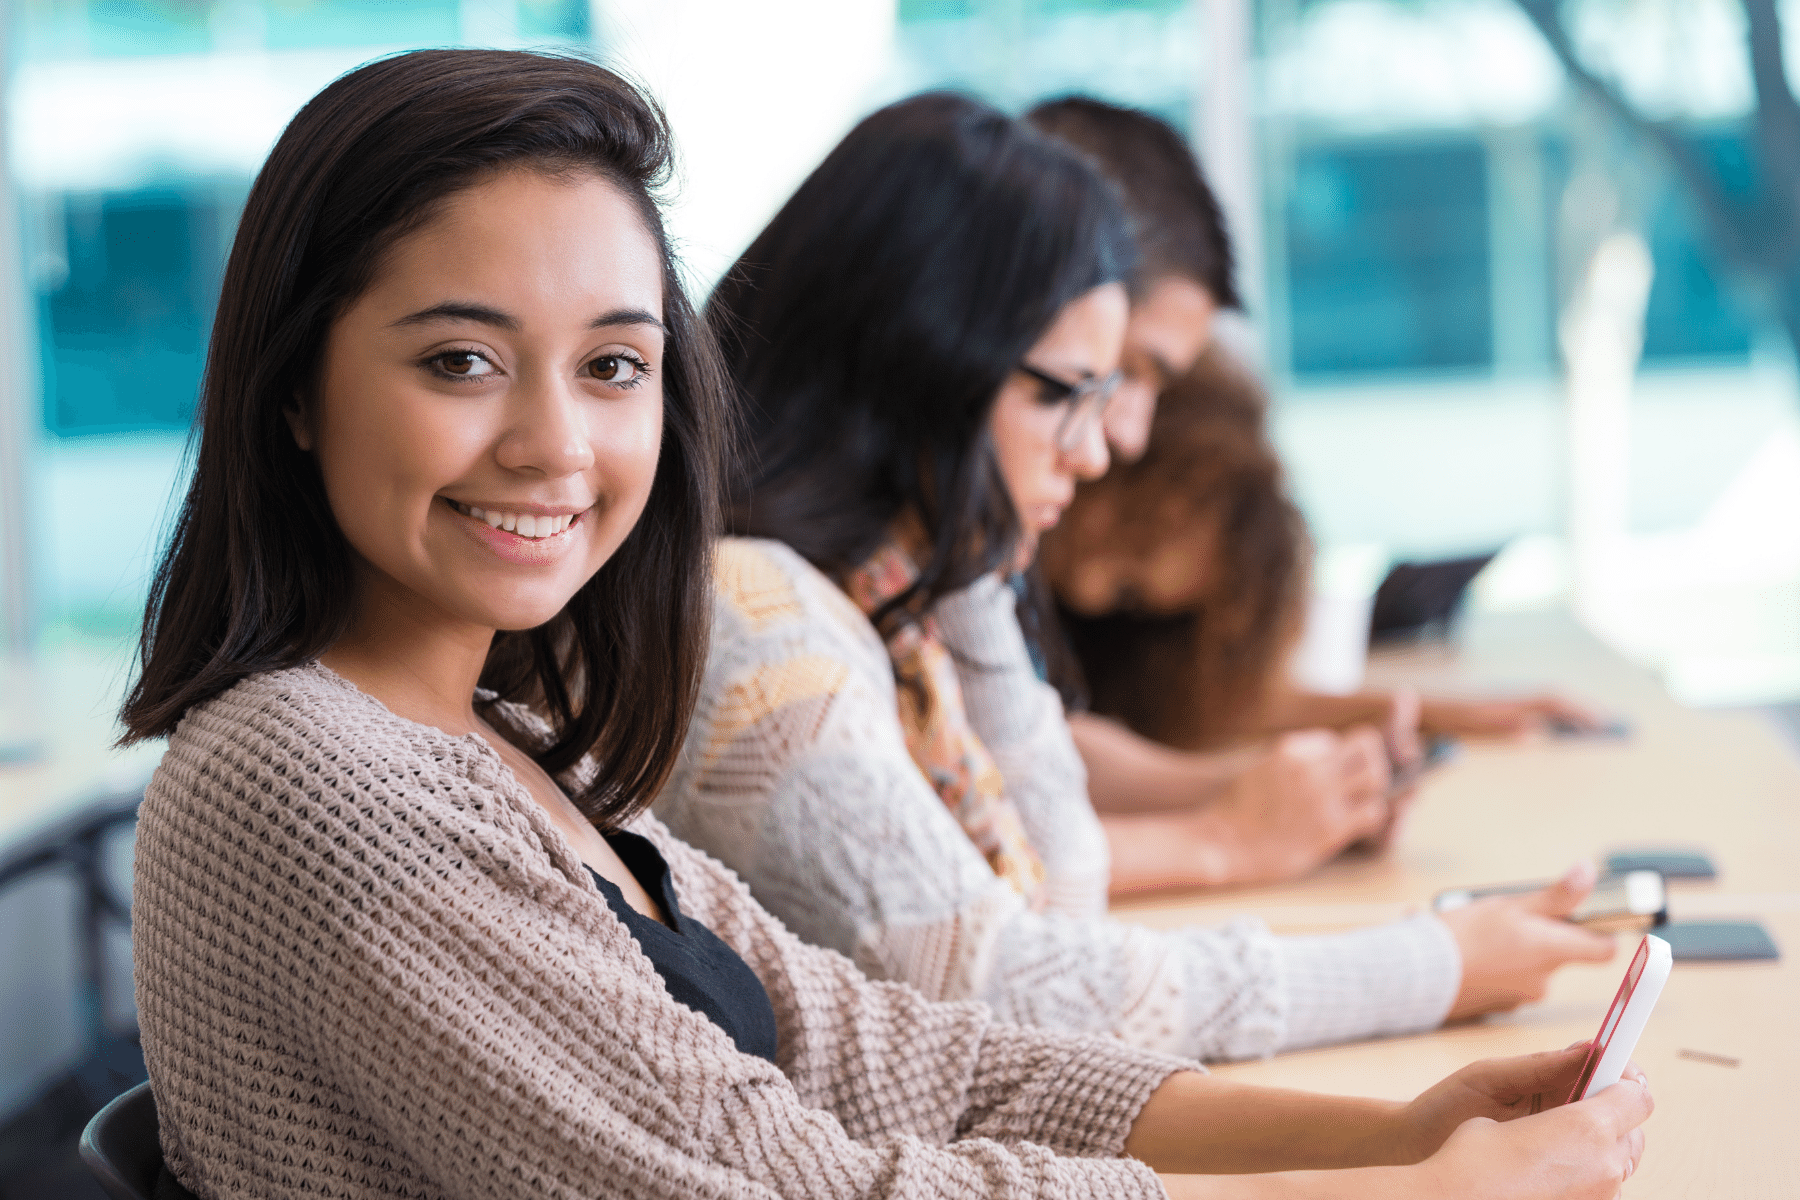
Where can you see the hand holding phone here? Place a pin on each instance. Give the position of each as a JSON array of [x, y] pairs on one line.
[[1625, 1020], [1635, 900], [1511, 945]]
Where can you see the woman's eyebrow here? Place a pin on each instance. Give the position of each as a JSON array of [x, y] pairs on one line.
[[452, 310], [481, 314], [627, 316]]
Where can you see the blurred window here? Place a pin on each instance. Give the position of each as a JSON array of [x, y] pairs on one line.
[[126, 262], [303, 24], [123, 334], [1014, 53], [1406, 242], [1691, 313], [1387, 255]]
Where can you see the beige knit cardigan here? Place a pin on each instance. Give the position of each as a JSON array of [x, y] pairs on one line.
[[368, 965]]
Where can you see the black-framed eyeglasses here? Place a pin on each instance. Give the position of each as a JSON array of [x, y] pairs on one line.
[[1087, 402]]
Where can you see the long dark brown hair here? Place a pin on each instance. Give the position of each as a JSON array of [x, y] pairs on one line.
[[871, 325], [1181, 577], [1179, 225], [257, 575]]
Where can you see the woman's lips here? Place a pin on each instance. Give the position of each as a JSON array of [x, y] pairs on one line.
[[530, 521], [519, 548]]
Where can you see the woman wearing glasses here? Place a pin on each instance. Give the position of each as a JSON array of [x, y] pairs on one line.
[[926, 336]]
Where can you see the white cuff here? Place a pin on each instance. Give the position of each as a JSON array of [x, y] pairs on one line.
[[1387, 980]]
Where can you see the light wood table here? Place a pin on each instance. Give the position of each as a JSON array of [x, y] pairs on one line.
[[1723, 781]]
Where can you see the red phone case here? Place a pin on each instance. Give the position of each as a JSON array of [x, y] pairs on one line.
[[1610, 1025]]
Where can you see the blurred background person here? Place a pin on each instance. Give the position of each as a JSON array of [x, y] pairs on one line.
[[1181, 581]]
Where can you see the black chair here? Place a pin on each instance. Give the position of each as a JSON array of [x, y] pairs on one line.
[[121, 1147]]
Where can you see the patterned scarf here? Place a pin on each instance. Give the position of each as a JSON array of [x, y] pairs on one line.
[[938, 735]]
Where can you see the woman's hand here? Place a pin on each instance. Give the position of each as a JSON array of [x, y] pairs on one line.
[[1511, 944], [1280, 813], [1495, 1130], [1312, 794], [1400, 729], [1498, 1089], [1581, 1151]]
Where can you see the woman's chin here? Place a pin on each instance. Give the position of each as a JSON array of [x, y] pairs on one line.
[[1025, 553], [514, 614]]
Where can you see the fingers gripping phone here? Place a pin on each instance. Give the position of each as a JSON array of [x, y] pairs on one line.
[[1626, 1019], [1618, 904]]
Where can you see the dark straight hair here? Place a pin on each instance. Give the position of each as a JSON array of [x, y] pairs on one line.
[[872, 324], [257, 575], [1179, 226]]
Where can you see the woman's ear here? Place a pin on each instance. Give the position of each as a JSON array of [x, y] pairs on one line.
[[299, 424]]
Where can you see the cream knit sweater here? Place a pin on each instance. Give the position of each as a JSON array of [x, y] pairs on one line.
[[796, 775], [368, 965]]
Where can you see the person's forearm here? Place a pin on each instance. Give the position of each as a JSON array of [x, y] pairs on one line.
[[1132, 774], [1208, 1125], [1159, 851], [1291, 708]]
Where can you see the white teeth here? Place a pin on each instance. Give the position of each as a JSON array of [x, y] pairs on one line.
[[523, 524]]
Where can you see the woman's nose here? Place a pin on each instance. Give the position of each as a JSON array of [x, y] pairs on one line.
[[546, 433], [1088, 458], [1128, 418]]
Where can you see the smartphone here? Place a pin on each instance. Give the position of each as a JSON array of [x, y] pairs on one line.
[[1626, 1019], [1624, 903], [1609, 731], [1720, 941], [1673, 863], [1438, 751]]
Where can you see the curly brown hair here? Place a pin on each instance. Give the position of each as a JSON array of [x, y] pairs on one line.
[[1180, 578]]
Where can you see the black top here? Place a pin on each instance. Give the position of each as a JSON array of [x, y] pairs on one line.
[[698, 969]]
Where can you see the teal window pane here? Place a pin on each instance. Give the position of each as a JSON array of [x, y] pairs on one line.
[[105, 28], [567, 20], [1690, 314], [936, 10], [1057, 8], [123, 338], [297, 24], [1388, 258], [1145, 53], [952, 10]]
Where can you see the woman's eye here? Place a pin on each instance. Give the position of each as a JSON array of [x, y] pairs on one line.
[[464, 364], [615, 368]]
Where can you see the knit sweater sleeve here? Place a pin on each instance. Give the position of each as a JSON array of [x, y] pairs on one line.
[[1019, 718], [1074, 1094], [796, 775], [1397, 978], [367, 965]]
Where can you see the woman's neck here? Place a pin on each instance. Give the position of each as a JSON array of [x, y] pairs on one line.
[[421, 664]]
